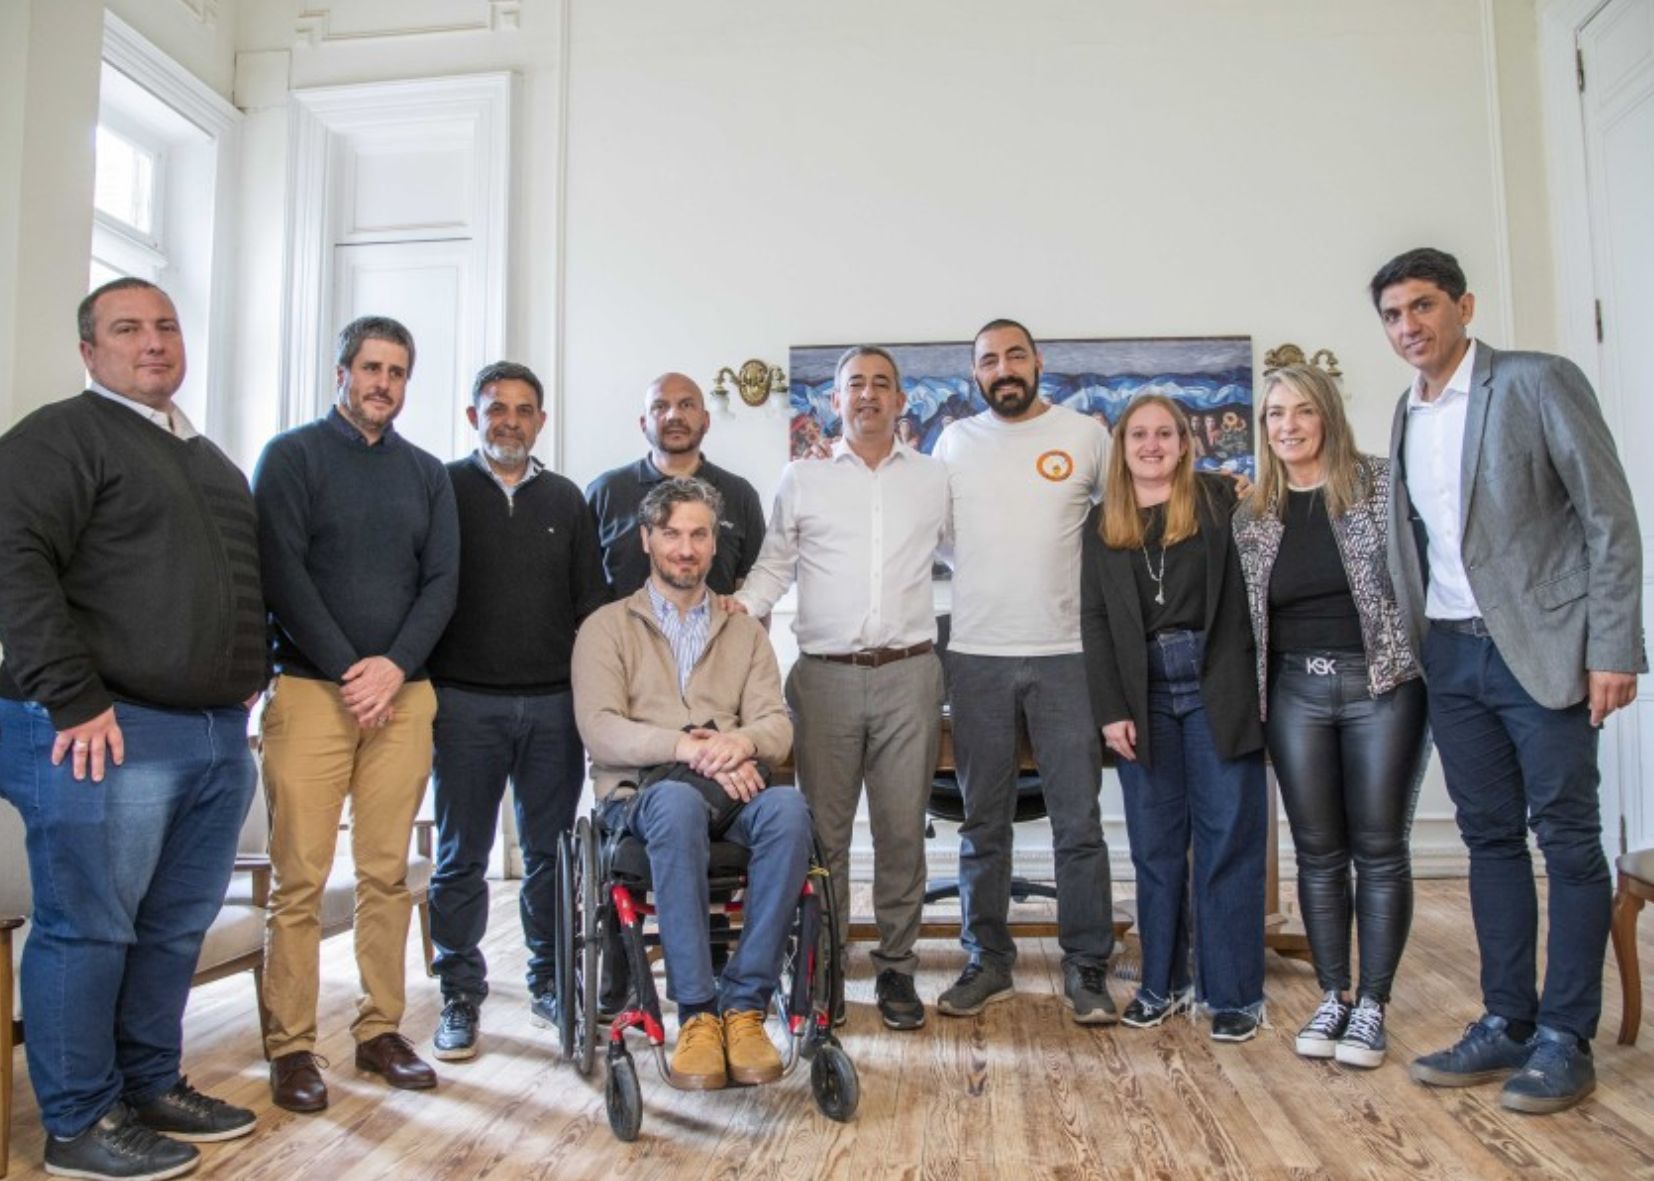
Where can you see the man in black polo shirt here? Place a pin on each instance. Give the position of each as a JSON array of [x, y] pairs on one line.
[[674, 421], [529, 572]]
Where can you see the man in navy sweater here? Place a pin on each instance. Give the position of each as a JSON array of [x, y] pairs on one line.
[[360, 546], [530, 572]]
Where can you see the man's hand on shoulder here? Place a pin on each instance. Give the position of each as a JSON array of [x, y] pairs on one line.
[[95, 744], [1608, 692]]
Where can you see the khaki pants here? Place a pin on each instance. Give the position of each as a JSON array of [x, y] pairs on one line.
[[315, 756]]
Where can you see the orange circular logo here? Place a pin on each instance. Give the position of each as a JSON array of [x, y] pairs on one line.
[[1055, 466]]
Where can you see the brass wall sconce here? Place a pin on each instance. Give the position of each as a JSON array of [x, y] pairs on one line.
[[1283, 355], [755, 381]]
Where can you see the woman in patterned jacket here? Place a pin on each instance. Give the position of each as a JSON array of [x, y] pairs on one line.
[[1344, 710]]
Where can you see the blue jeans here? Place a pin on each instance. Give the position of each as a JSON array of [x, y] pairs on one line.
[[671, 820], [481, 741], [1192, 796], [128, 874], [988, 694], [1511, 764]]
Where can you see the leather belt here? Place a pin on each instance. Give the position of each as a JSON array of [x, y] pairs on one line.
[[1463, 627], [873, 657]]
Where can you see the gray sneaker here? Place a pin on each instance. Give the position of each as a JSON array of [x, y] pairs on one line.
[[978, 986], [119, 1147], [1085, 988], [183, 1113]]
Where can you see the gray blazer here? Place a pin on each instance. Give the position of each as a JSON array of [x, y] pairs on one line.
[[1550, 541]]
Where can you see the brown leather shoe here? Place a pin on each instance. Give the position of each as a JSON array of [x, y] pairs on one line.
[[296, 1083], [391, 1055]]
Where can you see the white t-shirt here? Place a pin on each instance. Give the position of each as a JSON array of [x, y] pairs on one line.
[[1020, 493]]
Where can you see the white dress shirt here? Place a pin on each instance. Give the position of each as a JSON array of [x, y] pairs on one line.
[[1435, 483], [860, 542], [174, 424]]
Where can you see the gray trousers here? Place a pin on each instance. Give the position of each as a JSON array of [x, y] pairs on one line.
[[1049, 693], [877, 726]]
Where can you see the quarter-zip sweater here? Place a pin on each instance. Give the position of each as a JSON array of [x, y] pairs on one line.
[[128, 566], [529, 573], [626, 698]]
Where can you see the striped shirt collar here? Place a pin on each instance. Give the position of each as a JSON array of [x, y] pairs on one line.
[[535, 467], [687, 632]]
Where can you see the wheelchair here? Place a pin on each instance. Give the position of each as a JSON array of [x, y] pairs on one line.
[[603, 884]]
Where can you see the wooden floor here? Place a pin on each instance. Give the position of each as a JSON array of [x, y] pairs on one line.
[[1019, 1093]]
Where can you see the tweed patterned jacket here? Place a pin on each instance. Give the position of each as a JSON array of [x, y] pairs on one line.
[[1362, 539]]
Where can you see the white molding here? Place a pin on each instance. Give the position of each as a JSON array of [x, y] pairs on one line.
[[129, 52], [560, 239], [1496, 142], [205, 11], [314, 25], [319, 116]]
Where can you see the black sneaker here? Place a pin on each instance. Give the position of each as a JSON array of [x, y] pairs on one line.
[[119, 1147], [1319, 1036], [1558, 1074], [1363, 1043], [1485, 1053], [1085, 989], [1234, 1025], [456, 1031], [978, 986], [186, 1114], [542, 1010], [1145, 1012], [899, 1002]]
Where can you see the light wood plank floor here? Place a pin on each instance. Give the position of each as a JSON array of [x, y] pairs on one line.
[[1019, 1093]]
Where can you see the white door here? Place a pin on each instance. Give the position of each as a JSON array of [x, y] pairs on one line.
[[428, 287], [1617, 57]]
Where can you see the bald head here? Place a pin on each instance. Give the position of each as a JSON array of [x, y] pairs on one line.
[[674, 419]]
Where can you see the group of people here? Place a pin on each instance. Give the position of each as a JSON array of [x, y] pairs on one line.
[[486, 623]]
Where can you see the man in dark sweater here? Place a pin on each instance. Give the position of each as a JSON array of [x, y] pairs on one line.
[[360, 548], [530, 571], [674, 421], [132, 624]]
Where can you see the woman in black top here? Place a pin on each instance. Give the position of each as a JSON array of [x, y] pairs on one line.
[[1169, 664], [1345, 712]]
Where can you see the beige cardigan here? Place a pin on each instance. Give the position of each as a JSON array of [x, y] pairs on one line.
[[626, 699]]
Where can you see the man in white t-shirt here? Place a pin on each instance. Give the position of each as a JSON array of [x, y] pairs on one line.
[[1022, 476]]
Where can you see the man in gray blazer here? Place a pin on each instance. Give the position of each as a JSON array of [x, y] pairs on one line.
[[1518, 567]]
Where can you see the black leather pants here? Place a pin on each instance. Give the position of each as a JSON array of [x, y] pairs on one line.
[[1349, 768]]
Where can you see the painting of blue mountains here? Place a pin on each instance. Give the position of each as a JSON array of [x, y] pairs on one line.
[[1209, 376]]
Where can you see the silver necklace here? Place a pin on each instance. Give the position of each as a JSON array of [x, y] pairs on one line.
[[1158, 577]]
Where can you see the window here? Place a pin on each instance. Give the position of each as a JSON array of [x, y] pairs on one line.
[[125, 187]]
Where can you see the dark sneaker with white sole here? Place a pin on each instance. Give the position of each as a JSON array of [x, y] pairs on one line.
[[456, 1030], [1363, 1043], [542, 1010], [1485, 1054], [978, 986], [1145, 1011], [1085, 991], [898, 1001], [119, 1148], [1234, 1025], [1319, 1036], [184, 1113], [1558, 1074]]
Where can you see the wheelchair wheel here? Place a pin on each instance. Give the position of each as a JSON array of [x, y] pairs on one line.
[[833, 1082], [624, 1098], [563, 945], [588, 939]]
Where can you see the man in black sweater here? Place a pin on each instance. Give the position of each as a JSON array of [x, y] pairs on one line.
[[360, 548], [132, 624], [530, 572]]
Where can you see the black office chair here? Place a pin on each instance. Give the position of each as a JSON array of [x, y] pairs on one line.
[[947, 802]]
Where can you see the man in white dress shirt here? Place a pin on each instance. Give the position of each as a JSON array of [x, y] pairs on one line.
[[857, 531]]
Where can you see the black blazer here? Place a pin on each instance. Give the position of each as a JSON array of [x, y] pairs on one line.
[[1116, 646]]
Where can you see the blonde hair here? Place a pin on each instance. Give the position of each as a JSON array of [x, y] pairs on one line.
[[1346, 480], [1122, 527]]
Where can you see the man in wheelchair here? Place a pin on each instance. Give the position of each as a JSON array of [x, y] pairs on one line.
[[667, 676]]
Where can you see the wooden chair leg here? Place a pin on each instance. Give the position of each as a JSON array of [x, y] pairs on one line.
[[425, 937], [263, 1012], [1624, 931]]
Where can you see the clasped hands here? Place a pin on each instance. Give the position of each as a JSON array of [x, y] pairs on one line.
[[368, 688], [727, 758]]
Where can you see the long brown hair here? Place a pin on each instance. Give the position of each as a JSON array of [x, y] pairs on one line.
[[1122, 527], [1346, 479]]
